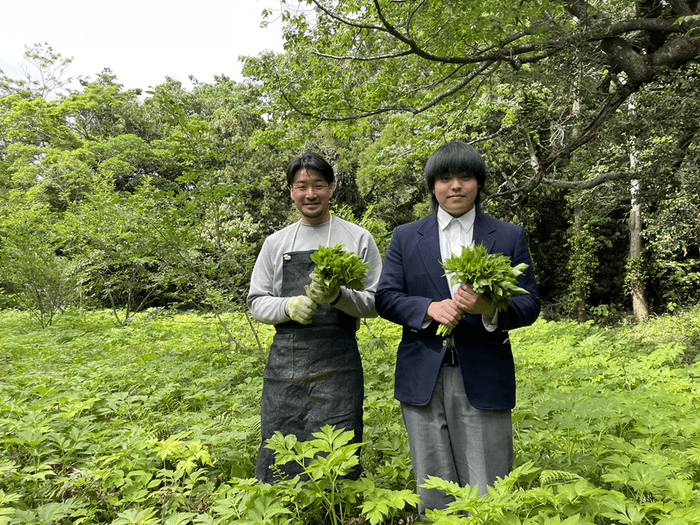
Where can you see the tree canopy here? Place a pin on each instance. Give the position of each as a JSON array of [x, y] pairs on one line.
[[549, 76], [155, 198], [569, 101]]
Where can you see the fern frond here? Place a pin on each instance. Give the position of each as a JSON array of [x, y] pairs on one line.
[[547, 477]]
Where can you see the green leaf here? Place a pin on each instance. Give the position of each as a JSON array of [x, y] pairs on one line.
[[489, 274], [336, 266]]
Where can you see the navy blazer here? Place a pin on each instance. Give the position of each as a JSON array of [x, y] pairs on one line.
[[412, 278]]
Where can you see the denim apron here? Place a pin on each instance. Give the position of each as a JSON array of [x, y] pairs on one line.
[[313, 376]]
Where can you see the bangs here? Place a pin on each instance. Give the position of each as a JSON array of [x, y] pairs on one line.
[[453, 158]]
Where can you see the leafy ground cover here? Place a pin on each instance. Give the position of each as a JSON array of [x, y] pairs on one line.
[[157, 422]]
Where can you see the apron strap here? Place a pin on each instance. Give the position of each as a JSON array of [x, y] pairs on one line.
[[296, 230]]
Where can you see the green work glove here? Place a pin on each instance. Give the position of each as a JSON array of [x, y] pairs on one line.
[[319, 292], [300, 309]]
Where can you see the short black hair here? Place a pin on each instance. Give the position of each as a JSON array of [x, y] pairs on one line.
[[453, 158], [311, 161]]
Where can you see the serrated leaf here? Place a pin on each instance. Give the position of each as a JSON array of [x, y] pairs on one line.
[[490, 274], [334, 266]]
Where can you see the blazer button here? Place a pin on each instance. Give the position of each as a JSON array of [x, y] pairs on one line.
[[444, 342]]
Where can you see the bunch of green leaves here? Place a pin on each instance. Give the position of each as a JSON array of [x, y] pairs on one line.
[[489, 274], [335, 266], [321, 493]]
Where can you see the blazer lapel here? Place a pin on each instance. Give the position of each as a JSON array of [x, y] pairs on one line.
[[429, 248], [483, 233]]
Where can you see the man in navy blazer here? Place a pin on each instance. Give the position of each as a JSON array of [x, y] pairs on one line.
[[456, 392]]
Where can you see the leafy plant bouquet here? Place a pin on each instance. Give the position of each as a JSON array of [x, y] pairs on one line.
[[489, 274], [335, 266]]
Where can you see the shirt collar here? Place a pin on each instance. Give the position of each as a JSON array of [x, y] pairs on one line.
[[445, 218]]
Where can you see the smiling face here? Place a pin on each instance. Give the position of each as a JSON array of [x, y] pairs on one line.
[[456, 193], [311, 195]]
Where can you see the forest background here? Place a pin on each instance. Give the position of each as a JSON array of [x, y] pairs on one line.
[[148, 208], [587, 118]]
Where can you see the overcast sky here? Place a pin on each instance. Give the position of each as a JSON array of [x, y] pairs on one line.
[[141, 41]]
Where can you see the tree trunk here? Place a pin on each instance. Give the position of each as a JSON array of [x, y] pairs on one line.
[[639, 302], [580, 287]]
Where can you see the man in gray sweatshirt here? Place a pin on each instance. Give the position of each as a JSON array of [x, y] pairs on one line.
[[313, 375]]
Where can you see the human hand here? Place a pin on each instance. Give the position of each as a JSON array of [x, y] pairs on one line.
[[474, 303], [319, 292], [445, 312], [300, 309]]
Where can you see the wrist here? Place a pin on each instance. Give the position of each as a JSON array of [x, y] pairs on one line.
[[337, 298], [428, 316]]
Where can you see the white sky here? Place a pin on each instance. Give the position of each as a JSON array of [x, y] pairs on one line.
[[141, 41]]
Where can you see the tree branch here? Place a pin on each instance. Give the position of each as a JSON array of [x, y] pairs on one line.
[[493, 135], [361, 59], [582, 10], [345, 21], [681, 7], [408, 109], [645, 24], [621, 94], [587, 184]]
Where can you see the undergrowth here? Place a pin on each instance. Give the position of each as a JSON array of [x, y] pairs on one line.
[[158, 422]]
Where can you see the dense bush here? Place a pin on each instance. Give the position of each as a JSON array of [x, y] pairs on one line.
[[157, 422]]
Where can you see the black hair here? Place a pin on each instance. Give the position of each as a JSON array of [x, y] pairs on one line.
[[453, 158], [310, 161]]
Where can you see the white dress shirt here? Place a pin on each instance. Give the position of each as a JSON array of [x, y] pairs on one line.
[[455, 232]]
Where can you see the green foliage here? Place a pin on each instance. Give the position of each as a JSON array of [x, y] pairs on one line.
[[547, 97], [122, 255], [136, 211], [581, 267], [487, 273], [490, 274], [204, 168], [635, 272], [44, 71], [370, 221], [319, 492], [104, 419], [337, 267], [36, 277], [681, 328], [390, 171], [324, 460], [616, 422], [158, 422]]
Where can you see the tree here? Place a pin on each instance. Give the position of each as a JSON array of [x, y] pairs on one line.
[[128, 191], [349, 60], [44, 74], [34, 275], [542, 88]]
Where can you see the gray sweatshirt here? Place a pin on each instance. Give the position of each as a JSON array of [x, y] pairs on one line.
[[264, 298]]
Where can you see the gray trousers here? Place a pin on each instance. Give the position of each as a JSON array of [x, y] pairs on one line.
[[452, 440]]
